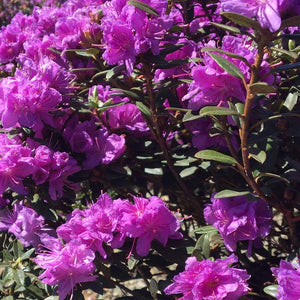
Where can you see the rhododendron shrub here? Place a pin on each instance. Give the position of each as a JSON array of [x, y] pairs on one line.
[[150, 140]]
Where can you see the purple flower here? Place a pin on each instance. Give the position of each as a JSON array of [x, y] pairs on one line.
[[148, 219], [54, 167], [266, 12], [66, 265], [93, 226], [23, 222], [237, 219], [288, 277], [16, 163], [208, 280], [119, 44], [98, 145]]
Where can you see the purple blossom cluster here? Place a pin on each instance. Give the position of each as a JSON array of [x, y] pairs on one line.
[[288, 276], [268, 13], [103, 224], [67, 255], [208, 280], [24, 223], [238, 219]]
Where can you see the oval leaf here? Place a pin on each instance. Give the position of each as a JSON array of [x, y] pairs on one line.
[[226, 27], [230, 54], [262, 88], [216, 156], [206, 229], [144, 7], [217, 111], [230, 193], [228, 66], [143, 108], [271, 290], [242, 20]]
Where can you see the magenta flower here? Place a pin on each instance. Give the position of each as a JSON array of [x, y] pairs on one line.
[[66, 265], [23, 222], [209, 280], [148, 220], [237, 219], [288, 277], [266, 12], [16, 163]]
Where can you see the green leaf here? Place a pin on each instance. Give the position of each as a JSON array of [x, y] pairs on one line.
[[143, 108], [228, 66], [121, 92], [290, 22], [153, 288], [258, 155], [291, 100], [262, 88], [271, 290], [19, 276], [217, 111], [190, 116], [242, 20], [206, 229], [188, 172], [230, 54], [18, 248], [85, 52], [230, 193], [27, 254], [226, 27], [114, 71], [36, 291], [169, 64], [290, 54], [286, 67], [216, 156], [154, 171], [144, 7]]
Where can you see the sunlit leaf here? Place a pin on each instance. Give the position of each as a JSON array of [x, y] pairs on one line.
[[228, 66], [217, 111], [271, 290], [144, 7], [230, 193], [216, 156]]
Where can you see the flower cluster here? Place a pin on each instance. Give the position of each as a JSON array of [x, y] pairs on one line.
[[210, 280], [238, 219], [288, 276]]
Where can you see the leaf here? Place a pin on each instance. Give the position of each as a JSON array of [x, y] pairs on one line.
[[19, 276], [144, 7], [27, 254], [291, 100], [153, 288], [188, 172], [230, 193], [230, 54], [228, 66], [216, 156], [206, 229], [143, 108], [262, 88], [292, 55], [114, 71], [226, 27], [169, 64], [87, 52], [190, 116], [290, 22], [121, 92], [242, 20], [154, 171], [271, 290], [217, 111]]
